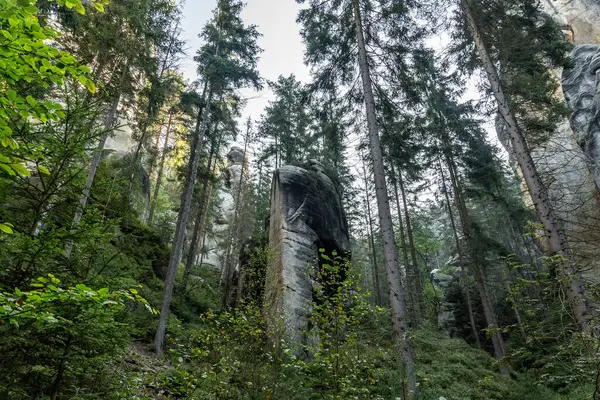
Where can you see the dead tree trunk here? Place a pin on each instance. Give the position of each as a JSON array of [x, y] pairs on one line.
[[476, 256], [96, 158], [198, 228], [234, 228], [400, 223], [461, 260]]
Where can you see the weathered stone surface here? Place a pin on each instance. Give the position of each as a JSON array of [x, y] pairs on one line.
[[569, 161], [580, 86], [306, 215], [218, 236], [579, 17]]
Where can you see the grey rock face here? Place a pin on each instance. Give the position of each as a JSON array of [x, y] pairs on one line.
[[581, 89], [217, 237], [306, 215], [446, 314], [578, 17]]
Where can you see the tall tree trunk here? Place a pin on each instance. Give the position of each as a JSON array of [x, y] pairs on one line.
[[161, 168], [198, 229], [234, 228], [171, 52], [396, 291], [575, 287], [420, 301], [108, 125], [374, 264], [400, 223], [156, 143], [477, 259], [184, 211], [461, 260]]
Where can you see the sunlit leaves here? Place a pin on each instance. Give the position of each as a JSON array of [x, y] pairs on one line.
[[42, 304], [26, 56]]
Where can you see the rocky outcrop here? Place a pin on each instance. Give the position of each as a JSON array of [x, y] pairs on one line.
[[306, 215], [569, 161], [580, 86], [217, 236], [578, 17]]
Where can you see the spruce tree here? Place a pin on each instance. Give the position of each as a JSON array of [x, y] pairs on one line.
[[227, 61]]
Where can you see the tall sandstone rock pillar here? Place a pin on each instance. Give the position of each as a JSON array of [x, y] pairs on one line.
[[306, 215]]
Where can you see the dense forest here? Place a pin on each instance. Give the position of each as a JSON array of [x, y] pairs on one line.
[[419, 220]]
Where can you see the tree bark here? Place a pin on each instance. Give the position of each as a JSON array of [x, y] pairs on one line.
[[477, 259], [184, 211], [374, 264], [161, 168], [575, 287], [85, 195], [461, 260], [400, 223], [156, 143], [198, 228], [396, 291], [420, 301], [234, 231]]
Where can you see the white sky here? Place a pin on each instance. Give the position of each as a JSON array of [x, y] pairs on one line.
[[281, 42]]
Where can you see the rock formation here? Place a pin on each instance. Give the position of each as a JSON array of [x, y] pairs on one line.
[[306, 215], [580, 86], [217, 237], [569, 160], [579, 17]]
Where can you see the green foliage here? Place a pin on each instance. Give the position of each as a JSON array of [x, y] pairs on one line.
[[60, 338], [27, 61], [526, 45], [554, 352]]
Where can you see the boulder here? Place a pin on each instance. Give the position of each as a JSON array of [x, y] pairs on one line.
[[306, 215]]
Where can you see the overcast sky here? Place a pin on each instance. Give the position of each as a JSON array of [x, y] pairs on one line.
[[283, 48]]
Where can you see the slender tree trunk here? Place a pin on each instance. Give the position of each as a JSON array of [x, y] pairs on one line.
[[461, 260], [396, 291], [234, 229], [400, 223], [369, 217], [156, 143], [420, 301], [85, 195], [477, 259], [198, 228], [202, 233], [171, 51], [161, 168], [184, 211], [61, 369], [575, 287]]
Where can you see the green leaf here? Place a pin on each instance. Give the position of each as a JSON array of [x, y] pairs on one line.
[[11, 94], [43, 170], [6, 229], [8, 169], [20, 169], [99, 7]]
